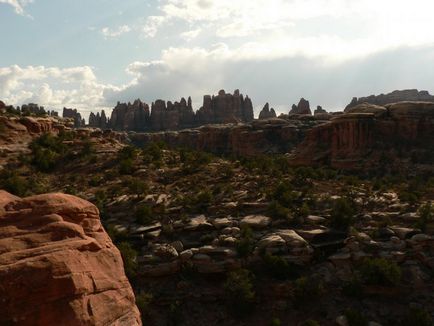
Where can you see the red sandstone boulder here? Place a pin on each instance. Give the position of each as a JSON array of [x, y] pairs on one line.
[[58, 266]]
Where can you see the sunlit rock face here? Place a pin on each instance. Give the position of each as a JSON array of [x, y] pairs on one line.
[[58, 266]]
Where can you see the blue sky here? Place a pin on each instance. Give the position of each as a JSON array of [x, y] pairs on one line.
[[89, 54]]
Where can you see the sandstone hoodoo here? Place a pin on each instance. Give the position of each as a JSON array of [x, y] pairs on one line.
[[393, 97], [58, 266], [368, 135], [267, 113], [75, 115], [303, 108], [221, 109]]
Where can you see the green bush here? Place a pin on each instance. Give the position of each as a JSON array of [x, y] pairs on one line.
[[13, 183], [353, 288], [152, 153], [239, 291], [276, 322], [49, 151], [342, 214], [418, 317], [310, 322], [126, 166], [143, 300], [279, 267], [144, 214], [129, 256], [277, 211], [355, 318], [379, 271], [426, 215], [307, 289], [245, 244]]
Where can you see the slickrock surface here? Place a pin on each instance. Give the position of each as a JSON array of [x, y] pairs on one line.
[[58, 266]]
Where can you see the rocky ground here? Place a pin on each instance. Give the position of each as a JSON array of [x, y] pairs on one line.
[[246, 241]]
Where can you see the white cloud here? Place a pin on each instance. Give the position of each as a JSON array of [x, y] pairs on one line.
[[190, 35], [52, 87], [18, 5], [115, 32], [152, 25]]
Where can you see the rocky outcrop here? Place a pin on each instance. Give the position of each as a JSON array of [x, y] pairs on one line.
[[223, 108], [75, 116], [266, 113], [58, 266], [303, 108], [394, 97], [319, 110], [98, 120], [369, 135], [127, 116], [258, 137]]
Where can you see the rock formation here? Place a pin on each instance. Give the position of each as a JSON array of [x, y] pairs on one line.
[[58, 266], [75, 115], [223, 108], [266, 113], [98, 120], [319, 110], [366, 133], [257, 137], [130, 116], [394, 97], [303, 108]]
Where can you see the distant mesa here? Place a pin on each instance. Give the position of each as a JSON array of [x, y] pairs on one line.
[[267, 113], [303, 108], [412, 95], [161, 116]]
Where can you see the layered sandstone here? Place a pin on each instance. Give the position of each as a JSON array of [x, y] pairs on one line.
[[58, 266], [248, 139], [220, 109], [367, 134], [394, 97]]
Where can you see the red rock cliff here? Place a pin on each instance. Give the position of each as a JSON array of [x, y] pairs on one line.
[[58, 266]]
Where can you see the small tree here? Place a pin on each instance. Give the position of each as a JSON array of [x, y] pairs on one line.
[[342, 215], [426, 215], [240, 295]]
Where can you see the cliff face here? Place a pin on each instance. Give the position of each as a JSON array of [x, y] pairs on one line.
[[266, 113], [394, 97], [58, 266], [223, 108], [362, 137], [258, 137]]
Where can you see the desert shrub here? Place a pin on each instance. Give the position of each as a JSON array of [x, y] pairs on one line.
[[95, 181], [419, 317], [275, 322], [115, 235], [13, 183], [409, 197], [152, 153], [137, 187], [127, 153], [307, 289], [279, 267], [48, 151], [353, 288], [193, 160], [200, 201], [245, 244], [277, 211], [88, 148], [342, 214], [143, 214], [126, 166], [355, 318], [143, 301], [239, 291], [379, 271], [310, 322], [129, 257], [426, 215]]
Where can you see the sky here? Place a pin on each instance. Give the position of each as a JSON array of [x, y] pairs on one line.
[[89, 54]]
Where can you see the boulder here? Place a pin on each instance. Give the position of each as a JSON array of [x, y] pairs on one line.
[[256, 221], [58, 266]]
